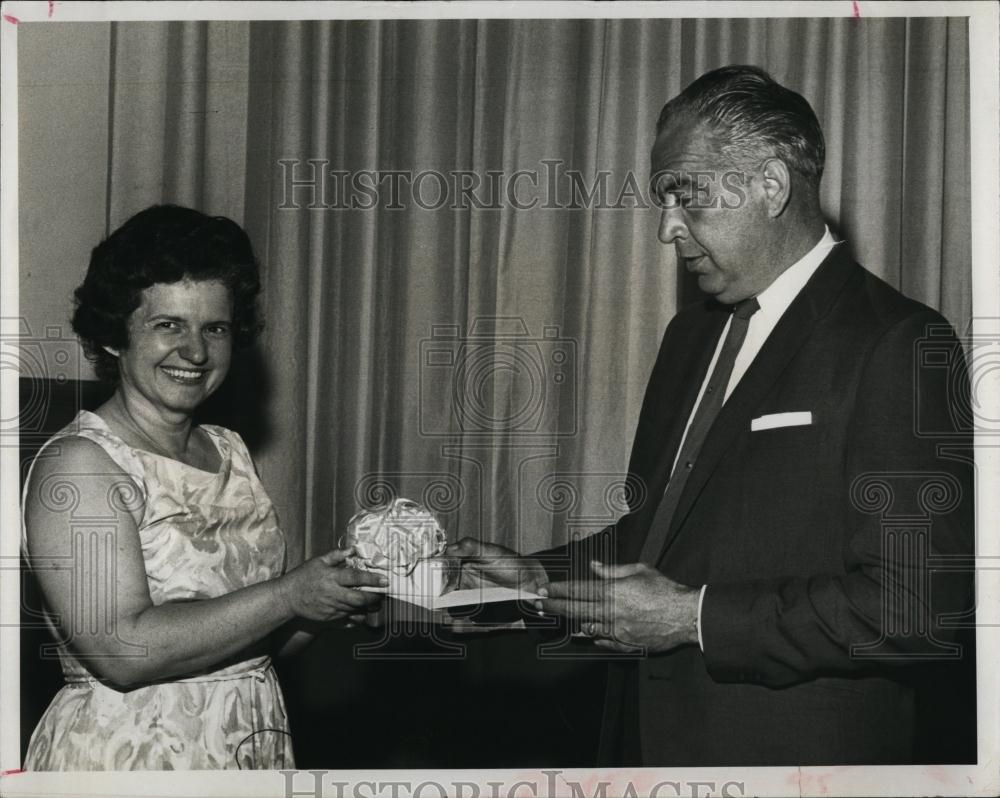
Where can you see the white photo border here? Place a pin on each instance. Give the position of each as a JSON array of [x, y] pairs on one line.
[[981, 779]]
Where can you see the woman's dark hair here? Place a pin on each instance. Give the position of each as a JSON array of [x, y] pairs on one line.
[[162, 244]]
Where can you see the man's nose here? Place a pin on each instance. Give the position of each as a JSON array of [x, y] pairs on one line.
[[672, 226], [193, 348]]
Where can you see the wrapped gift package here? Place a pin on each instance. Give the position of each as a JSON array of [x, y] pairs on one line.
[[403, 540]]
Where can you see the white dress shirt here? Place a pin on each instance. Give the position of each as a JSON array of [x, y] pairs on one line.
[[774, 301]]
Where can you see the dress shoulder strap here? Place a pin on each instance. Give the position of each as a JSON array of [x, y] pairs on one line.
[[92, 427]]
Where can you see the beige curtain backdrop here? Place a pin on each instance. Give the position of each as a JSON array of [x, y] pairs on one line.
[[367, 381]]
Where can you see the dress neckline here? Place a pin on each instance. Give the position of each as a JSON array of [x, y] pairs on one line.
[[214, 438]]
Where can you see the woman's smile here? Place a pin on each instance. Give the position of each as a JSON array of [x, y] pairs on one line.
[[185, 376]]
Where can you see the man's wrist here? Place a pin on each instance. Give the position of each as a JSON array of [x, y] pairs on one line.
[[686, 617]]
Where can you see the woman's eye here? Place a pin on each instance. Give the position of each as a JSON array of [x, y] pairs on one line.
[[166, 325], [219, 329]]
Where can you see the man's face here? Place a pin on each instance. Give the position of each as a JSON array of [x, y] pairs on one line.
[[713, 213]]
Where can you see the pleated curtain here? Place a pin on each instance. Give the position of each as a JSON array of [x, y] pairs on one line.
[[491, 361]]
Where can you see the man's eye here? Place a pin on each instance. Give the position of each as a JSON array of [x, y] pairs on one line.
[[166, 325], [219, 329], [672, 199]]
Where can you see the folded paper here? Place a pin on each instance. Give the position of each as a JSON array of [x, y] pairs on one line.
[[459, 598]]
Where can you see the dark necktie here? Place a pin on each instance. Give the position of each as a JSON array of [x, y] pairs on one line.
[[701, 423]]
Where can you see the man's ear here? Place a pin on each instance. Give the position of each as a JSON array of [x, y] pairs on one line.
[[777, 184], [111, 351]]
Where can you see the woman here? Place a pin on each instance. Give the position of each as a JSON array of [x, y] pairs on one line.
[[175, 578]]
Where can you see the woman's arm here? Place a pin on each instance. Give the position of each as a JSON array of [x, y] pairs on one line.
[[84, 544], [295, 635]]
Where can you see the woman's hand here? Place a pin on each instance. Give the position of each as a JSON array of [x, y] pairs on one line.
[[321, 589]]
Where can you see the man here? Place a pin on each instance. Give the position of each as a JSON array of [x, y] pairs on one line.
[[779, 617]]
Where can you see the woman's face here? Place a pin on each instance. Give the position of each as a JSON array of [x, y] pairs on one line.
[[180, 345]]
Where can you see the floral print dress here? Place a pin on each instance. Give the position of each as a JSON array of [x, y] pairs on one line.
[[202, 535]]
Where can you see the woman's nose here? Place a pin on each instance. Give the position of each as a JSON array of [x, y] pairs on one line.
[[194, 349]]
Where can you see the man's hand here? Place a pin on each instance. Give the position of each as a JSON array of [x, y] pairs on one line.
[[491, 565], [629, 608]]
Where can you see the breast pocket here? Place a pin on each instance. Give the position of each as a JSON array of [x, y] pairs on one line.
[[780, 441]]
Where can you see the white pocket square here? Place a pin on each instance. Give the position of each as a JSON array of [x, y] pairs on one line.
[[800, 418]]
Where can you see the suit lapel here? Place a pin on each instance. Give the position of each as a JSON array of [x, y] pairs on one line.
[[673, 388], [676, 400], [812, 303]]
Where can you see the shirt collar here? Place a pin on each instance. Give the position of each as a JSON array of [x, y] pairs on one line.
[[776, 298]]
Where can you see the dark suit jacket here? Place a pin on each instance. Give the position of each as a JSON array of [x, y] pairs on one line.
[[817, 542]]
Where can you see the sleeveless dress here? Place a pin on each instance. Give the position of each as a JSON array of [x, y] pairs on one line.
[[202, 535]]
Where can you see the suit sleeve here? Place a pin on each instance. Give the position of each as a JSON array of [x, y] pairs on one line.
[[782, 631]]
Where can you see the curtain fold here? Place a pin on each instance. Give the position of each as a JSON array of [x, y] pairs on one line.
[[486, 359]]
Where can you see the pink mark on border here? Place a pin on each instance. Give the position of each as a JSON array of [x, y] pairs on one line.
[[15, 771], [13, 21], [854, 3], [52, 7]]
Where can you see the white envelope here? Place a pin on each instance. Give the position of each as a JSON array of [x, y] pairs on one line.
[[800, 418], [458, 598]]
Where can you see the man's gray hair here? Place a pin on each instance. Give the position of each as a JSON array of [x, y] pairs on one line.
[[754, 117]]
